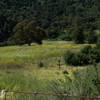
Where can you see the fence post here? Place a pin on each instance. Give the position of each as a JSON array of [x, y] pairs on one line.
[[65, 96], [35, 95], [3, 94], [59, 63], [98, 97]]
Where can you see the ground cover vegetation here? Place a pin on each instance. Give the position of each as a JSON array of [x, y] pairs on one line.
[[35, 68], [48, 54], [79, 81]]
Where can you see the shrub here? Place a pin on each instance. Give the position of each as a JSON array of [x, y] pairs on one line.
[[98, 44], [68, 57], [40, 64], [87, 55], [75, 59], [87, 49], [92, 37], [10, 43], [78, 35], [65, 37]]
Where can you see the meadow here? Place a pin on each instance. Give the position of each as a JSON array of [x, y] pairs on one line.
[[20, 67], [48, 53]]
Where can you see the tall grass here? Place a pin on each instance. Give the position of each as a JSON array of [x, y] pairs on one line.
[[48, 53], [85, 82], [19, 69]]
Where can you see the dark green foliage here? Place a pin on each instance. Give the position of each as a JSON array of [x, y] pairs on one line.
[[55, 16], [98, 44], [65, 37], [92, 36], [3, 44], [40, 64], [27, 32], [6, 26], [76, 59], [86, 49], [87, 55], [68, 57], [78, 35], [78, 30]]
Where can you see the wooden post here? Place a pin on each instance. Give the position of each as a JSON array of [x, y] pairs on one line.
[[3, 95], [65, 97], [59, 63], [98, 97]]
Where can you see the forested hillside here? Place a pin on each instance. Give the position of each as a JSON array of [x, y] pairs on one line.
[[60, 18]]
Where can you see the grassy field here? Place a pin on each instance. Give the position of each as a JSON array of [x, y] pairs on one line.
[[48, 53], [19, 66]]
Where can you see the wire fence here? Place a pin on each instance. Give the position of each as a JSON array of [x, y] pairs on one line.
[[62, 96]]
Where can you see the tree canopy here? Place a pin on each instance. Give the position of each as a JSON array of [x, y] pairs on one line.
[[28, 32], [57, 17]]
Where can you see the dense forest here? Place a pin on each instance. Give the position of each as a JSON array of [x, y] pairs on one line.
[[62, 19]]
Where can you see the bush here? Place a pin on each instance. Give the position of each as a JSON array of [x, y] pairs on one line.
[[2, 44], [92, 37], [87, 49], [68, 57], [98, 44], [87, 55], [65, 37], [76, 59], [10, 43]]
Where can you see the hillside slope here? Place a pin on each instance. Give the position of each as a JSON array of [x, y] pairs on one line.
[[56, 16]]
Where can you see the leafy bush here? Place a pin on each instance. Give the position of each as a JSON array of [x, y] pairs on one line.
[[11, 43], [98, 44], [77, 58], [86, 49], [65, 37], [2, 44], [68, 57], [92, 36], [87, 55]]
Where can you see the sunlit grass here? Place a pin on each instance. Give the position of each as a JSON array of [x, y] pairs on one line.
[[31, 54], [19, 68]]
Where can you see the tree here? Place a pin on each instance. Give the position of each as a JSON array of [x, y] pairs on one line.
[[78, 35], [92, 36], [78, 31], [55, 16], [5, 28], [27, 32]]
